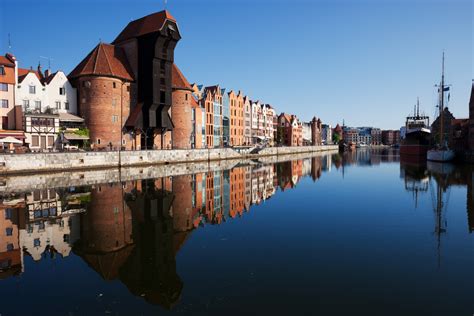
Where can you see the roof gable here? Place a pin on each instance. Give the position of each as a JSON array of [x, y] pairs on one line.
[[148, 24]]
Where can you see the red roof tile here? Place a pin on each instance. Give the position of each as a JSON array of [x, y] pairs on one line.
[[178, 80], [148, 24], [5, 61], [23, 72], [104, 60]]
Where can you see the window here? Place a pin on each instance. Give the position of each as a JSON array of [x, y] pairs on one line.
[[38, 105], [2, 70], [3, 87], [98, 141], [35, 140], [37, 242], [32, 89], [66, 105], [186, 97], [50, 140], [26, 104], [114, 102], [114, 85], [4, 103], [58, 105], [114, 118], [9, 231], [62, 91], [124, 142], [8, 213], [10, 247]]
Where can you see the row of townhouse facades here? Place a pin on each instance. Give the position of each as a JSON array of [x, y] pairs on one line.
[[35, 106], [131, 95]]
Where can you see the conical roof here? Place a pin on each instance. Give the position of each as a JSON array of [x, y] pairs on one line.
[[104, 60]]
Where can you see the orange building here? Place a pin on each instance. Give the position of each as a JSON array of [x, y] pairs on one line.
[[7, 91], [236, 118]]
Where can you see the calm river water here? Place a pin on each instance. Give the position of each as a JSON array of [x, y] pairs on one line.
[[357, 234]]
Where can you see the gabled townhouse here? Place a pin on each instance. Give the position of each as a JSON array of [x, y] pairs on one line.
[[236, 118], [290, 130], [268, 116], [247, 121], [257, 122], [225, 118], [7, 91]]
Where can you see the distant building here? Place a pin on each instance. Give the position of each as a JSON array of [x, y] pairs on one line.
[[471, 119], [376, 136], [436, 126], [247, 121], [459, 137], [391, 137], [326, 134], [290, 130]]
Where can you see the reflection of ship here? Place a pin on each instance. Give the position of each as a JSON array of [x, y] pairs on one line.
[[417, 138], [416, 179], [441, 175]]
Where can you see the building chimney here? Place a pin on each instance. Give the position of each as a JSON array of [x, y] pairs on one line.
[[47, 72]]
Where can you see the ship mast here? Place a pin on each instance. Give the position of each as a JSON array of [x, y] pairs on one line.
[[441, 106]]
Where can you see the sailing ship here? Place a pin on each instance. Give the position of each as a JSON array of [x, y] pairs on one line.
[[417, 135], [441, 152]]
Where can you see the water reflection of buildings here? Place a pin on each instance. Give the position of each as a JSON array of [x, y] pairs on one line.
[[132, 231], [37, 223]]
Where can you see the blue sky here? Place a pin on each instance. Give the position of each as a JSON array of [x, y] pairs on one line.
[[364, 61]]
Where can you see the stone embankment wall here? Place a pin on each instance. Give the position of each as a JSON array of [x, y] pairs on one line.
[[62, 179], [47, 162]]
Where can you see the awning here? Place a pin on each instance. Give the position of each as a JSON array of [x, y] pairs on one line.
[[12, 133], [72, 136], [68, 117], [11, 140]]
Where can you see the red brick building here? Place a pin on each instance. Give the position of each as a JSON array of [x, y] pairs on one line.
[[103, 80], [185, 113], [391, 137], [291, 131], [125, 87]]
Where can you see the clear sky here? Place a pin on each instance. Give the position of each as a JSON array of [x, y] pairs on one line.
[[365, 61]]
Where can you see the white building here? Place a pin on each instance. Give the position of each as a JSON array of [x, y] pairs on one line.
[[326, 134], [46, 92], [48, 101]]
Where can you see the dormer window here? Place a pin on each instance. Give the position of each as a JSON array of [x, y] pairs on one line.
[[62, 91], [32, 89]]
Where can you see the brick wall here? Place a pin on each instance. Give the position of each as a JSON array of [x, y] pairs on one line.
[[105, 105]]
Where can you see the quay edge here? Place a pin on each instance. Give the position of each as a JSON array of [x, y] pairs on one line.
[[35, 163]]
